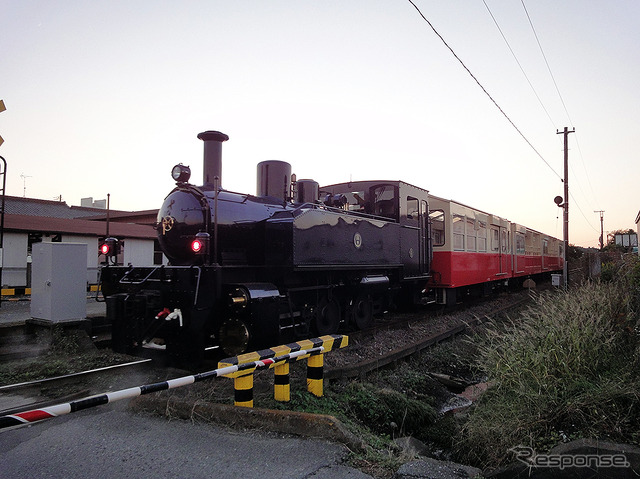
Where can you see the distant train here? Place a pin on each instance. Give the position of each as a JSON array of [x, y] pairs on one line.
[[248, 272]]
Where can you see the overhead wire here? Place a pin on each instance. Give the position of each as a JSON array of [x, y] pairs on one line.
[[518, 62], [530, 84], [484, 89], [495, 21], [535, 33]]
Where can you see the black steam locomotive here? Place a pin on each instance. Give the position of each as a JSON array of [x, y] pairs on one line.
[[248, 272]]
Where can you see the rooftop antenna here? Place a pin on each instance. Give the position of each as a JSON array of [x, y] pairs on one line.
[[24, 184]]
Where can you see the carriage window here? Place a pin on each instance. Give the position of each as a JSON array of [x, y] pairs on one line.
[[471, 234], [482, 236], [519, 243], [545, 246], [504, 241], [437, 227], [495, 240], [413, 212], [458, 233]]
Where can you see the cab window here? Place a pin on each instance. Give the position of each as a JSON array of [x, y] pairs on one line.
[[413, 211], [385, 201]]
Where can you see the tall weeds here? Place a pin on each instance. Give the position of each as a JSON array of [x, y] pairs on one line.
[[568, 367]]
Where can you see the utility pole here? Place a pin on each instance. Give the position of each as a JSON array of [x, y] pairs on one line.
[[565, 206], [601, 228]]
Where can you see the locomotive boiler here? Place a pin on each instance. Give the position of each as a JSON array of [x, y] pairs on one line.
[[252, 271]]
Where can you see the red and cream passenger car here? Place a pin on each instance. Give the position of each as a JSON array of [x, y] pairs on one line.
[[474, 251]]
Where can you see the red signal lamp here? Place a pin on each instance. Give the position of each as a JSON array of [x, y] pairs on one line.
[[200, 245], [110, 247], [196, 246]]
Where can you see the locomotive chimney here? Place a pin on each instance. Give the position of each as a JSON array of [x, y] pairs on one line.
[[212, 157]]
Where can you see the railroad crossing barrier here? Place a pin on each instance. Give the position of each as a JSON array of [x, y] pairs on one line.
[[243, 379], [35, 415]]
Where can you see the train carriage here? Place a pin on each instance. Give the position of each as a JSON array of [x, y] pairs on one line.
[[471, 248], [474, 252]]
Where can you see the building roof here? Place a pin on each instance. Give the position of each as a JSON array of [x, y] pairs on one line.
[[54, 217], [145, 217], [76, 226], [46, 208]]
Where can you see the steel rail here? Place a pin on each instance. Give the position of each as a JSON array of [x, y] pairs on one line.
[[71, 375]]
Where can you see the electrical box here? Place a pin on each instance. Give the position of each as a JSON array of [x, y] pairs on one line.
[[59, 281]]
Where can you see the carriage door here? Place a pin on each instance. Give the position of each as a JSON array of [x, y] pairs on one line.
[[500, 247], [413, 238], [425, 237], [505, 249]]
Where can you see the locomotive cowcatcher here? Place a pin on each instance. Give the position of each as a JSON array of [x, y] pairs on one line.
[[254, 271]]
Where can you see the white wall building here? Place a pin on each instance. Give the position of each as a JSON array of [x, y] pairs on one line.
[[28, 221]]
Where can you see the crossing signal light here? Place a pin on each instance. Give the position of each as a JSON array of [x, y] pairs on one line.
[[110, 247]]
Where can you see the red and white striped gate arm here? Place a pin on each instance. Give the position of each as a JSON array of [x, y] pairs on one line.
[[92, 401]]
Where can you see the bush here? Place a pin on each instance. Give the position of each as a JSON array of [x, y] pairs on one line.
[[568, 368], [387, 411]]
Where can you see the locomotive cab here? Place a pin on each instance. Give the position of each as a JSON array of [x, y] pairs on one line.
[[398, 202]]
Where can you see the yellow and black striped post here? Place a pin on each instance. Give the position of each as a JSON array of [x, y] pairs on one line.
[[243, 390], [243, 379], [281, 389], [315, 374]]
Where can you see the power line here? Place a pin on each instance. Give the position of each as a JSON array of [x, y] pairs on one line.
[[546, 62], [484, 89], [518, 62], [560, 96]]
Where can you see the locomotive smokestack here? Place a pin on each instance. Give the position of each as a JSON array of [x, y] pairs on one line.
[[212, 157]]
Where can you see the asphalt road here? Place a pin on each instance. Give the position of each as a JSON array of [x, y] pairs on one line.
[[112, 442]]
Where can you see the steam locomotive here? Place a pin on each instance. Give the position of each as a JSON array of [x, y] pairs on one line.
[[253, 271]]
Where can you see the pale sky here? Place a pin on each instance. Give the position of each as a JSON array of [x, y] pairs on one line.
[[105, 97]]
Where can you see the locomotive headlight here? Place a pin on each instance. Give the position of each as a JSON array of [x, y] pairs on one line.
[[181, 173]]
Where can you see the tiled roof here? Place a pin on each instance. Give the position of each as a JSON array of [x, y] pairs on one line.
[[42, 224], [46, 216], [48, 208]]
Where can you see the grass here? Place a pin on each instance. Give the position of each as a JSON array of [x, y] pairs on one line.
[[65, 356], [567, 368]]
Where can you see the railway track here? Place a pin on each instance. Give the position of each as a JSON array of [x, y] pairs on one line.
[[45, 392], [377, 348]]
